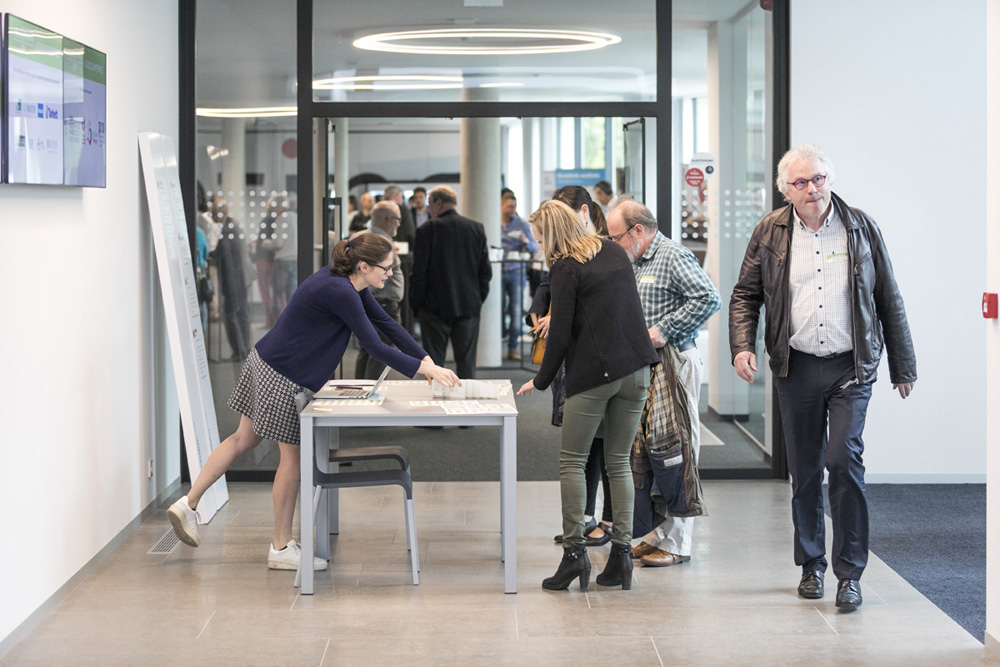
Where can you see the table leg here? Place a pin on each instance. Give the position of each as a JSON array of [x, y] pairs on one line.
[[306, 505], [333, 495], [508, 502], [322, 448]]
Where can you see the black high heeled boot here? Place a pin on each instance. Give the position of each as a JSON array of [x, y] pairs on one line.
[[619, 568], [575, 563]]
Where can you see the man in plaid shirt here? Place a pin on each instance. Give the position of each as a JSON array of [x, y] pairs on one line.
[[677, 299]]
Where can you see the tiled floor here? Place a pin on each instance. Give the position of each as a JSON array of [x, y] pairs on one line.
[[733, 604]]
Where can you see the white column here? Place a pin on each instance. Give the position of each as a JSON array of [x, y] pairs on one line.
[[532, 197], [992, 331], [480, 200], [341, 171], [234, 141]]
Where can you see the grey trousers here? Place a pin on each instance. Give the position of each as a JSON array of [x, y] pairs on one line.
[[620, 405]]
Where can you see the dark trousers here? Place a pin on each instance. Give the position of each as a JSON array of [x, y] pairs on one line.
[[823, 411], [463, 332], [596, 475], [366, 365]]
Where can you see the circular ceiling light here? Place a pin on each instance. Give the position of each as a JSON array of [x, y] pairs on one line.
[[247, 112], [486, 41], [389, 82]]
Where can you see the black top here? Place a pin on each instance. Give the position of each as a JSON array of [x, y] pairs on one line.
[[451, 267], [597, 324]]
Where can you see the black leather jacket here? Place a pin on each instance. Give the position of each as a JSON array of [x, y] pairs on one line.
[[878, 317]]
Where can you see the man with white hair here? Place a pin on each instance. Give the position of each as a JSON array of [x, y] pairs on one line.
[[821, 271]]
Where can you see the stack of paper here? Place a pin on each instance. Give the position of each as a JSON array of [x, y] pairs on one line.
[[470, 389]]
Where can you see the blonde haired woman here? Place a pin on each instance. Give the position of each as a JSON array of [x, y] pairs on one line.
[[597, 328]]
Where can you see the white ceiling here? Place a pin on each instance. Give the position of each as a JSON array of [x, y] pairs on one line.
[[246, 48]]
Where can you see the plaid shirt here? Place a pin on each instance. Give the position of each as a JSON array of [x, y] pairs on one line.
[[677, 295]]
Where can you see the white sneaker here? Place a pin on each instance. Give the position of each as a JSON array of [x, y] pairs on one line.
[[185, 522], [289, 557]]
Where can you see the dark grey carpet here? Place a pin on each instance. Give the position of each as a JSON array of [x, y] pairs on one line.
[[934, 536]]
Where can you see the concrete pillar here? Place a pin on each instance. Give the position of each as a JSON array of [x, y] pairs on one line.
[[234, 141], [532, 197], [341, 172], [480, 200]]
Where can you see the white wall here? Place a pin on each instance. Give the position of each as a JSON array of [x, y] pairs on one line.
[[896, 96], [992, 328], [82, 369]]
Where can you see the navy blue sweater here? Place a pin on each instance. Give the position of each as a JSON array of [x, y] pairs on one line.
[[310, 337]]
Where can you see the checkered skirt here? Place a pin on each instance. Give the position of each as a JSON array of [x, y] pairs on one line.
[[267, 398]]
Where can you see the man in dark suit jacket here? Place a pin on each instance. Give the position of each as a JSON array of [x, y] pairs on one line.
[[450, 280]]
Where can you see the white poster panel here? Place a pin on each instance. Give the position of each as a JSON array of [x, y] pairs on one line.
[[180, 299], [34, 104]]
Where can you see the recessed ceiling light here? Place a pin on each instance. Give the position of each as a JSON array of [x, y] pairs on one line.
[[389, 82], [247, 112], [520, 41]]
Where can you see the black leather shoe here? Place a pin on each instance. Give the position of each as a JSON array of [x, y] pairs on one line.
[[848, 594], [811, 586]]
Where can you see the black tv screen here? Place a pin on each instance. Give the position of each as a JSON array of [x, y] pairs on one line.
[[56, 108]]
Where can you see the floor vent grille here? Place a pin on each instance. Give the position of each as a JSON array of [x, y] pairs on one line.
[[166, 544]]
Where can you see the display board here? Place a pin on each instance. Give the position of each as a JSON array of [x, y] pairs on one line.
[[84, 115], [56, 108], [180, 300]]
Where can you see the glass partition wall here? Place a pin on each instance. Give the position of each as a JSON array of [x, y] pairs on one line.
[[275, 159]]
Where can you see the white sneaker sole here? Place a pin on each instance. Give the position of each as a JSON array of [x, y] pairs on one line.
[[181, 528], [318, 565]]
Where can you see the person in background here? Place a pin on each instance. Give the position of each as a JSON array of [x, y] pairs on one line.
[[592, 219], [284, 278], [677, 298], [263, 254], [515, 239], [300, 353], [822, 273], [230, 253], [418, 203], [605, 196], [385, 222], [597, 329], [451, 278], [406, 233]]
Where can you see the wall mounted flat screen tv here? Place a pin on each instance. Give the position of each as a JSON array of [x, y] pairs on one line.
[[55, 108]]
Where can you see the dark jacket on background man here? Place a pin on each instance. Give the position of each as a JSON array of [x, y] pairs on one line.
[[451, 267], [877, 307]]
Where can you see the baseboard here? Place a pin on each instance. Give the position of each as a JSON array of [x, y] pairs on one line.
[[36, 617], [992, 645], [925, 478]]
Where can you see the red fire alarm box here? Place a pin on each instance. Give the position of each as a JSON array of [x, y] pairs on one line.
[[989, 305]]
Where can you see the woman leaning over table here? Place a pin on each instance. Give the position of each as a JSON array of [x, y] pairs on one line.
[[299, 353], [598, 329]]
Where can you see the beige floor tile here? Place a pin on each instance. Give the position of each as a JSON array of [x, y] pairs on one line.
[[733, 604]]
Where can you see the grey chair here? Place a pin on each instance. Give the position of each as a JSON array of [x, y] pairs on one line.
[[381, 477]]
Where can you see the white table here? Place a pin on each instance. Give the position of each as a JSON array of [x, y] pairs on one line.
[[320, 432]]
